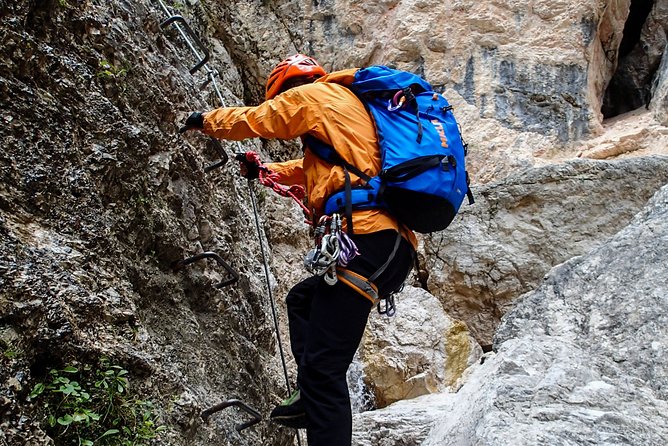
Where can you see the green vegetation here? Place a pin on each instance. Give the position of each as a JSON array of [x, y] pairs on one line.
[[8, 350], [179, 6], [109, 71], [141, 201], [92, 405]]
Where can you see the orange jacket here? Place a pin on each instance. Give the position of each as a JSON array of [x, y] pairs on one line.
[[333, 114]]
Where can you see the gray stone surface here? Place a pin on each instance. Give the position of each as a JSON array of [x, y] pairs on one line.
[[524, 225], [639, 55], [99, 195], [404, 423], [659, 103], [578, 361], [420, 350]]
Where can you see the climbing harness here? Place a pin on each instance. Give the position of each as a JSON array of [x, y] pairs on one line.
[[320, 262], [366, 287], [202, 54], [333, 250]]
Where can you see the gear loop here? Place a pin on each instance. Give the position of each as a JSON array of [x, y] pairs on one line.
[[333, 247]]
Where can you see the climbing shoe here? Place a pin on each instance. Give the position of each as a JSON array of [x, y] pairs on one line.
[[290, 412]]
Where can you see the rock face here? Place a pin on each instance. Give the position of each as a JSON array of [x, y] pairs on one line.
[[577, 361], [638, 58], [659, 104], [586, 345], [419, 351], [502, 246], [532, 69], [404, 423], [635, 134], [99, 196], [480, 49]]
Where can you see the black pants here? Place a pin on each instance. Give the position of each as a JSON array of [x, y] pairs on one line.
[[326, 326]]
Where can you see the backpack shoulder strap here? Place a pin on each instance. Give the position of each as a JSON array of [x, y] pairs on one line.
[[329, 154]]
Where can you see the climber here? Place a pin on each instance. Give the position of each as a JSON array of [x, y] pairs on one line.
[[326, 317]]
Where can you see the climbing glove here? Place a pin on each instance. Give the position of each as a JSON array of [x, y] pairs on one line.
[[194, 122], [249, 164]]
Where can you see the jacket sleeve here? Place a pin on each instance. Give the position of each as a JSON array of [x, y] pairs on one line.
[[287, 116], [289, 173]]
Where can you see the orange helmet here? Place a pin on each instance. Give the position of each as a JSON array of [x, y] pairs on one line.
[[297, 65]]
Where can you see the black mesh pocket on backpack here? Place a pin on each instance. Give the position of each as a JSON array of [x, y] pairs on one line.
[[419, 211]]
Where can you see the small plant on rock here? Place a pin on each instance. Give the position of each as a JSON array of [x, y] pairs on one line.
[[8, 350], [87, 405], [110, 71]]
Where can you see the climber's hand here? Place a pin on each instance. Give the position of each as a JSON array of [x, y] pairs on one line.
[[194, 122], [249, 164]]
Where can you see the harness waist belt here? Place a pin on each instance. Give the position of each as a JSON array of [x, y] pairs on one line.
[[359, 283]]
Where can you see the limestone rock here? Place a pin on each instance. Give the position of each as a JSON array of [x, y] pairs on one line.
[[502, 59], [580, 359], [522, 226], [418, 351], [404, 423], [527, 83], [659, 103], [99, 195], [514, 72], [637, 58], [577, 361], [635, 133]]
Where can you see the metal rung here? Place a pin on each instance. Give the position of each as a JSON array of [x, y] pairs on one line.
[[210, 255], [241, 405], [189, 33], [197, 47], [223, 155]]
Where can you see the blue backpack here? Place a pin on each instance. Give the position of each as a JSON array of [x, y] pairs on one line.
[[423, 179]]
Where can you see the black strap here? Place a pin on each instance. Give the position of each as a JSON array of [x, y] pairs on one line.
[[410, 99], [336, 159], [469, 194], [334, 156], [349, 202], [346, 165], [417, 115], [380, 271], [409, 169], [390, 308]]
